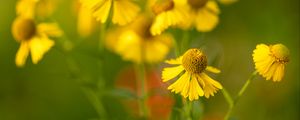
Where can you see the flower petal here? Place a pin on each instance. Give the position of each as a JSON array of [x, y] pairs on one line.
[[22, 54], [176, 61], [212, 69], [38, 47], [171, 72], [124, 12]]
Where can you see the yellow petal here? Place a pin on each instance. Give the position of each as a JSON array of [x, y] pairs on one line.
[[211, 86], [124, 12], [206, 20], [129, 46], [176, 61], [279, 72], [261, 52], [195, 90], [85, 22], [155, 50], [171, 72], [50, 29], [197, 86], [212, 69], [38, 47], [270, 73], [102, 11], [212, 6], [166, 19], [185, 86], [178, 85], [26, 8], [210, 80], [22, 54]]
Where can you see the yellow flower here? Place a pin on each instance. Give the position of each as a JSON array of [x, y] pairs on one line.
[[193, 81], [270, 60], [203, 14], [135, 43], [167, 13], [33, 38], [124, 11]]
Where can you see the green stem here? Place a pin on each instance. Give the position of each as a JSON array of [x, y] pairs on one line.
[[96, 102], [184, 41], [232, 102], [141, 78], [188, 110]]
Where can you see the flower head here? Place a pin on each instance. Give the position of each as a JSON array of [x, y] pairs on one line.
[[123, 11], [33, 38], [135, 43], [193, 81], [270, 60]]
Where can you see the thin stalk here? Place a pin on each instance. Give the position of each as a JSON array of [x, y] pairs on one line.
[[141, 82], [185, 41], [188, 109], [231, 102]]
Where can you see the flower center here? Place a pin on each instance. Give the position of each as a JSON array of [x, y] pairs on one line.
[[197, 3], [280, 52], [165, 5], [194, 61], [23, 29]]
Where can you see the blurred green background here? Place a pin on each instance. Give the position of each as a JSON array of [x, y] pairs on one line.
[[47, 91]]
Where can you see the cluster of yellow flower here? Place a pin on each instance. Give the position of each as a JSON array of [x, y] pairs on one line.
[[141, 37]]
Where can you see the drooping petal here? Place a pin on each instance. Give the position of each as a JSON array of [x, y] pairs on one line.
[[38, 47], [166, 19], [195, 89], [185, 86], [102, 8], [211, 86], [171, 72], [22, 54], [178, 85], [279, 72], [85, 22]]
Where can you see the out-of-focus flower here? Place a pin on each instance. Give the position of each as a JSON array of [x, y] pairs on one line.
[[159, 100], [135, 43], [193, 81], [34, 38], [167, 13], [203, 14], [123, 11], [270, 61]]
